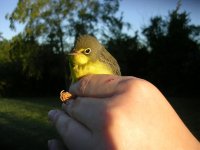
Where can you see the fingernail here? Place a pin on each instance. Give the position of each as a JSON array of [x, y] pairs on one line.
[[51, 114]]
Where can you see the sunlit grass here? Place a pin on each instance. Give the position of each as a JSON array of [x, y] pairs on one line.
[[24, 123]]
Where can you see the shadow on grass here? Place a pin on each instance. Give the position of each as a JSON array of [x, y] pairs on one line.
[[24, 125]]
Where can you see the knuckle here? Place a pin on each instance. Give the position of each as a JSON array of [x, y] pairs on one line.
[[136, 85]]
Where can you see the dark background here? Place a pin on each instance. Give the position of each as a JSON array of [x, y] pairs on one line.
[[34, 63]]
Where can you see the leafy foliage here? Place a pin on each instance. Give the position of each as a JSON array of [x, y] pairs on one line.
[[175, 56], [131, 55], [35, 63], [29, 68], [67, 19]]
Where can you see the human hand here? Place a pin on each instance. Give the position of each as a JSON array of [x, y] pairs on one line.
[[113, 112]]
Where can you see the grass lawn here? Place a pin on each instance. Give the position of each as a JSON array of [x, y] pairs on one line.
[[24, 124]]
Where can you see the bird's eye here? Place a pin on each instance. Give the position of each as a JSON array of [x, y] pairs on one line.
[[87, 51]]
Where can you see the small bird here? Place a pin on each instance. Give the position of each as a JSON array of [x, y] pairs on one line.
[[90, 57]]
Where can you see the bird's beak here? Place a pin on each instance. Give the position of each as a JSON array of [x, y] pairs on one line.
[[73, 53]]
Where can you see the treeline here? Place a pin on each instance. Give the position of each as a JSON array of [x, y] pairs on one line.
[[34, 63], [169, 57]]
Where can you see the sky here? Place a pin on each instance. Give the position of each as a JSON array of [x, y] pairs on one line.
[[136, 12]]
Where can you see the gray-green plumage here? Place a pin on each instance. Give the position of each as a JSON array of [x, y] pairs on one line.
[[98, 53]]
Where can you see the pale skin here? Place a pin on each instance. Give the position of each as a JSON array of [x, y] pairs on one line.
[[119, 113]]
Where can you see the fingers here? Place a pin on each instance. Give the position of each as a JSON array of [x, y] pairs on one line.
[[94, 94], [97, 85], [69, 129], [90, 111]]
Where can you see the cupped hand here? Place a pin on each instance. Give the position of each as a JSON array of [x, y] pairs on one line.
[[113, 112]]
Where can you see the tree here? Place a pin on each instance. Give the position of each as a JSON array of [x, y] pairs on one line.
[[1, 37], [67, 19], [4, 64], [4, 51], [56, 23], [175, 54], [132, 56]]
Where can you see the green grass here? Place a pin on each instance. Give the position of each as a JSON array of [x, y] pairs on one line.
[[24, 123]]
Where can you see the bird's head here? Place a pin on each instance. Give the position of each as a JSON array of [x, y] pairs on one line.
[[86, 49]]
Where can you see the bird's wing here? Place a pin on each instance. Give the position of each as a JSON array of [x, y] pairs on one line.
[[108, 59]]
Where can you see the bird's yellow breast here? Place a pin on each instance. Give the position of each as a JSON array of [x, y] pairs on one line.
[[96, 67]]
